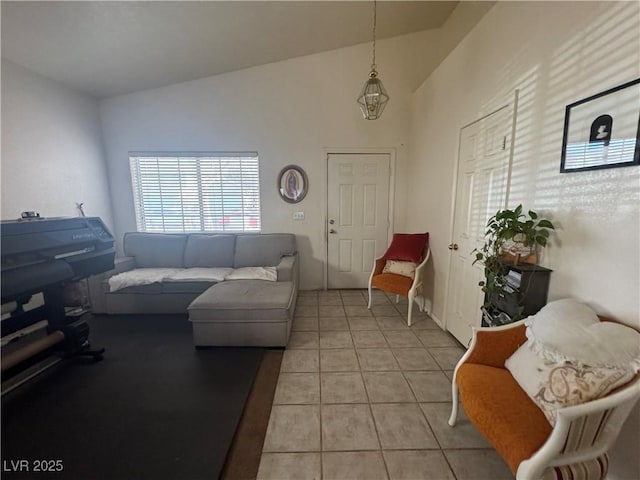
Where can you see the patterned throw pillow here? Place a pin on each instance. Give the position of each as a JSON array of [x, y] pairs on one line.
[[406, 269], [553, 385]]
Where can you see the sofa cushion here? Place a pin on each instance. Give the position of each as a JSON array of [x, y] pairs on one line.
[[243, 301], [152, 289], [155, 249], [171, 288], [209, 250], [185, 287], [263, 250], [502, 411]]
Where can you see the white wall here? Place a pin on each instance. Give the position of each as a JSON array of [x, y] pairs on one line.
[[289, 112], [52, 154], [553, 53], [556, 54]]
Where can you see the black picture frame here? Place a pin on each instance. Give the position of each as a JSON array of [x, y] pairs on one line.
[[293, 184], [603, 130]]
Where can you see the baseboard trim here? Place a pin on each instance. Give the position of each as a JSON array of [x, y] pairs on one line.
[[437, 320]]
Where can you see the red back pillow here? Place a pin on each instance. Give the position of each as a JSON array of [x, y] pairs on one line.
[[407, 247]]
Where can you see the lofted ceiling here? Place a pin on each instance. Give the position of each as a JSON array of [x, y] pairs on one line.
[[107, 48]]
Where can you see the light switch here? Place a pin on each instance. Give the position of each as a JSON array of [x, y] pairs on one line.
[[298, 215]]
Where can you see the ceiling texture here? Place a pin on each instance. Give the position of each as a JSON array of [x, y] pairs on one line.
[[107, 48]]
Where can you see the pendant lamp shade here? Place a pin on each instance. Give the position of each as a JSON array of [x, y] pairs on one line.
[[373, 97]]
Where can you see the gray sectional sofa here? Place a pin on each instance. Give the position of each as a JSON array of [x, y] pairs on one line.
[[243, 312]]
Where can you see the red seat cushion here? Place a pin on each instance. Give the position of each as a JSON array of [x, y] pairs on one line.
[[502, 412]]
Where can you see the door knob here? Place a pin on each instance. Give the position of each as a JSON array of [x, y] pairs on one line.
[[332, 231], [453, 246]]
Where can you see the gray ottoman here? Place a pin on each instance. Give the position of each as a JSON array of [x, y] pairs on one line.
[[243, 313]]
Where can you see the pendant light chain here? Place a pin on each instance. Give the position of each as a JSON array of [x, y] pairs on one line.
[[373, 63]]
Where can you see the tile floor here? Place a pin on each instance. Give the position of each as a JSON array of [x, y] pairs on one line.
[[362, 396]]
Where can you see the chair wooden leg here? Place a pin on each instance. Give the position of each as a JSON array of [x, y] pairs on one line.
[[370, 298]]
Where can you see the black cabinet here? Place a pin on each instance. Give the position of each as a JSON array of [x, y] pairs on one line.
[[526, 292]]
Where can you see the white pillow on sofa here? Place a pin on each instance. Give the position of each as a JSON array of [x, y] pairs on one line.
[[199, 274], [139, 276], [253, 273], [567, 330]]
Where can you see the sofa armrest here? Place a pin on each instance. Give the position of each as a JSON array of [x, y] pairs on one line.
[[122, 264], [97, 282], [493, 345], [287, 268]]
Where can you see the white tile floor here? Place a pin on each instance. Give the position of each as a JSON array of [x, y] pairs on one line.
[[362, 396]]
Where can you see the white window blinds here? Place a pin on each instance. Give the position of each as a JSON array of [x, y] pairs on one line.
[[188, 193]]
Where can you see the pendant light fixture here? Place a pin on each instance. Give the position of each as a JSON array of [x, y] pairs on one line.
[[373, 97]]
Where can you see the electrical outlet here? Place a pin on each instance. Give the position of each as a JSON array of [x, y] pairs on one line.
[[298, 215]]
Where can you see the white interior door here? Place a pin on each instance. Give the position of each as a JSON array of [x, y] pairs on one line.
[[357, 215], [481, 190]]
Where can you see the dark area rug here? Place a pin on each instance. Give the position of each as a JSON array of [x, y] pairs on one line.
[[154, 408]]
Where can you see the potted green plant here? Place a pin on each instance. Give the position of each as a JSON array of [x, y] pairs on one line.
[[512, 236]]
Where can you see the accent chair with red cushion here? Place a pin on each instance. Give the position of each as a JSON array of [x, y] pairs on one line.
[[401, 269]]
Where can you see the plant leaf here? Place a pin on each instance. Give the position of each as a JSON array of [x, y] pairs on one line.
[[533, 214], [544, 223]]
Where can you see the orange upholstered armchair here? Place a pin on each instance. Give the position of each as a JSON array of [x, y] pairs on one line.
[[574, 448], [400, 270]]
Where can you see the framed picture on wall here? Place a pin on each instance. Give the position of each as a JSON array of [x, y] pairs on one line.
[[292, 184], [603, 131]]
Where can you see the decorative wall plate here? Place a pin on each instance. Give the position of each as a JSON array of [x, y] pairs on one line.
[[292, 184]]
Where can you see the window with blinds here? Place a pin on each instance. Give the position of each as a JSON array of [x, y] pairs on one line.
[[213, 192]]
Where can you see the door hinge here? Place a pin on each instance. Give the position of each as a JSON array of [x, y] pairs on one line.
[[504, 142]]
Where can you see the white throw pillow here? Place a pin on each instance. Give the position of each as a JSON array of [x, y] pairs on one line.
[[140, 276], [406, 269], [254, 273], [199, 274], [567, 330], [552, 385]]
